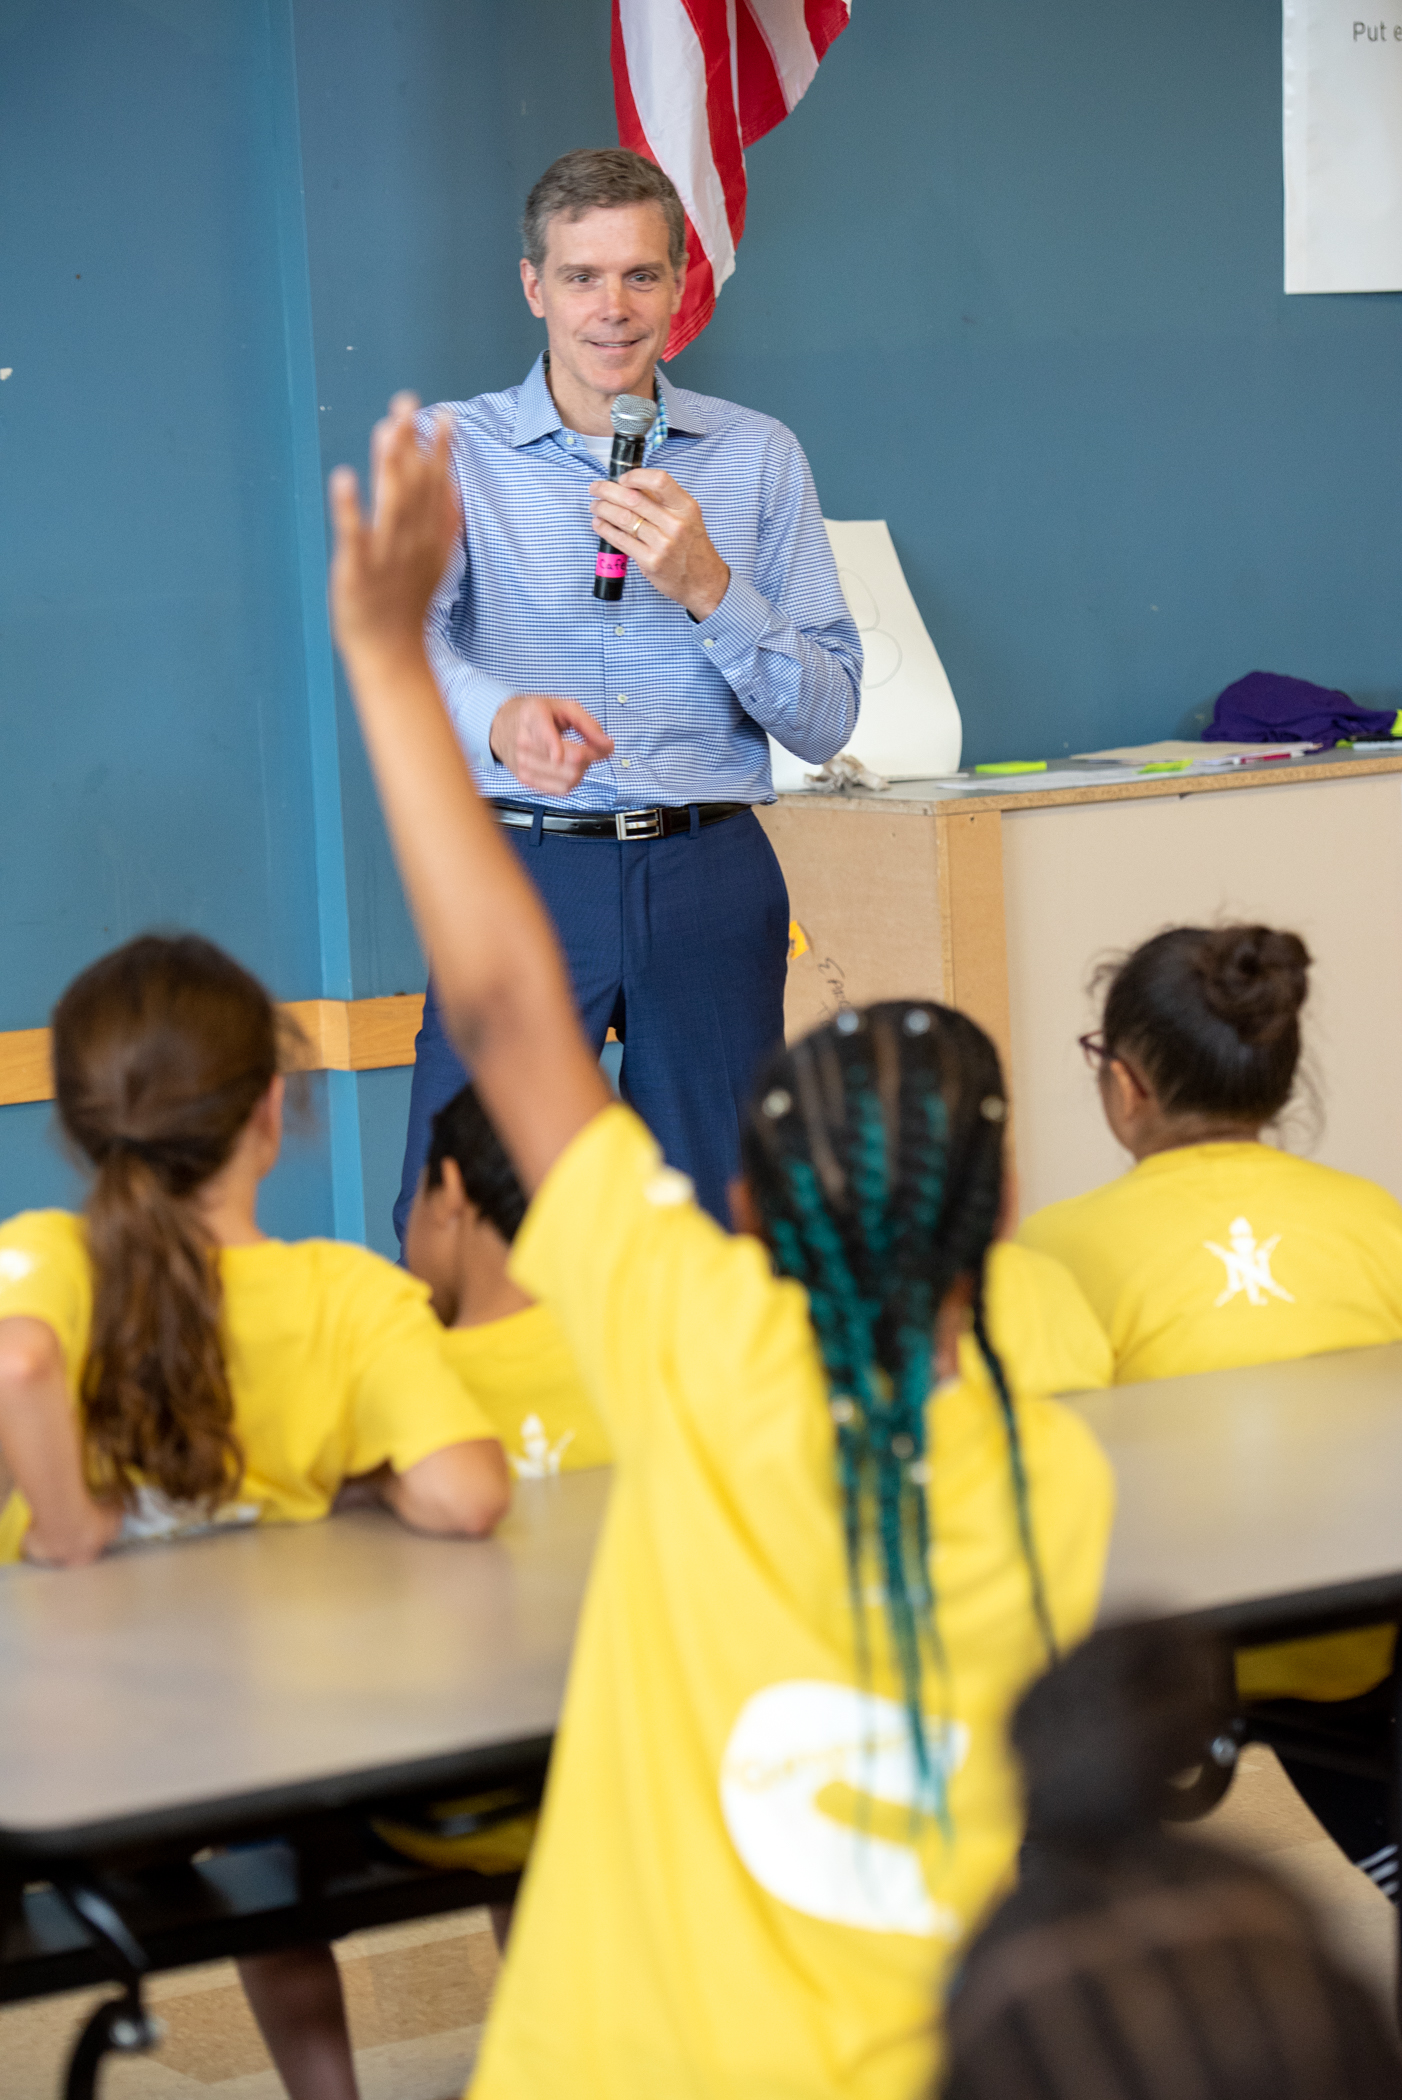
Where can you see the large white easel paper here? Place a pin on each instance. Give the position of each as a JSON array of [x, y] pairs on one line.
[[909, 727], [1343, 147]]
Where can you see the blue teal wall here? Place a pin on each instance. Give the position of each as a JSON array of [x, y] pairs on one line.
[[157, 750], [1013, 274]]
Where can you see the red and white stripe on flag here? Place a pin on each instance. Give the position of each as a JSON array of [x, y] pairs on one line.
[[694, 83]]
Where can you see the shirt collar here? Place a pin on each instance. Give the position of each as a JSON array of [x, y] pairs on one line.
[[537, 415], [680, 417]]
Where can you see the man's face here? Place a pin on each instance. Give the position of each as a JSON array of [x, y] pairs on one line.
[[607, 293]]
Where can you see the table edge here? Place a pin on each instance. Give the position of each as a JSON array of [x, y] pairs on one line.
[[205, 1818]]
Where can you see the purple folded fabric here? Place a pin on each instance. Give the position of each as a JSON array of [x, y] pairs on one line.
[[1263, 708]]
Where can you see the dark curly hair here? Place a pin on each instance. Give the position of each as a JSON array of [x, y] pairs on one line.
[[1211, 1015]]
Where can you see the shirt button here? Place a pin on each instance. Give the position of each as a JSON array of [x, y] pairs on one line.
[[569, 437], [618, 630], [623, 699], [626, 763], [708, 643]]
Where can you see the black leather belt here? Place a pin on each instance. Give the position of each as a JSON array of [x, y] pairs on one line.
[[618, 824]]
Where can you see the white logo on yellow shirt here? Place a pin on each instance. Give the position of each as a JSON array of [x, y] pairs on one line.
[[1248, 1266], [15, 1265], [790, 1743], [540, 1459]]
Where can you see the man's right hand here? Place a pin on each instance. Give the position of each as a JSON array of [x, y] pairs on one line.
[[529, 738]]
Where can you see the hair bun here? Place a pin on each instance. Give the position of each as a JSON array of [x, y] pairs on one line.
[[1255, 979], [1102, 1735]]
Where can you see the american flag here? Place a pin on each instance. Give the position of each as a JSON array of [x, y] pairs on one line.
[[694, 83]]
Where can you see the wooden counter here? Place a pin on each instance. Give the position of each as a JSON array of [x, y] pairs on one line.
[[1006, 904]]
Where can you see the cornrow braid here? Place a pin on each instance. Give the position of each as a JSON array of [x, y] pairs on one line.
[[874, 1152], [1018, 1465]]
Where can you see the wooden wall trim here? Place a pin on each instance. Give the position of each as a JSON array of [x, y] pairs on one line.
[[357, 1035], [24, 1065], [341, 1035]]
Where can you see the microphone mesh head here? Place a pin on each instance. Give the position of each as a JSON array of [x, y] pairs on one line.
[[633, 417]]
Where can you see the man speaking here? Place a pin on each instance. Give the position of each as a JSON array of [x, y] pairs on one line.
[[624, 743]]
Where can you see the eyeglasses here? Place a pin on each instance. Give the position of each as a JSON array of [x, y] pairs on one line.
[[1098, 1054]]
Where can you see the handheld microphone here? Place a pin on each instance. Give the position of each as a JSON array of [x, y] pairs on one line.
[[633, 417]]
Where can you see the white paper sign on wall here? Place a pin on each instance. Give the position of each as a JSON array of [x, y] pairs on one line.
[[1343, 146], [909, 727]]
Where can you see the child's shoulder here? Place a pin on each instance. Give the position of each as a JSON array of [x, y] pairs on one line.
[[1058, 1225], [1333, 1186], [1042, 1324], [32, 1236], [329, 1274], [45, 1273]]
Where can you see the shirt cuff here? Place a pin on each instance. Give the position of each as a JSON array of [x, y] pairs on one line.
[[732, 633], [473, 698]]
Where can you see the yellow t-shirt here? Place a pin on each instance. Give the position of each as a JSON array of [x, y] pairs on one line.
[[1047, 1338], [520, 1372], [1213, 1257], [335, 1361], [712, 1908]]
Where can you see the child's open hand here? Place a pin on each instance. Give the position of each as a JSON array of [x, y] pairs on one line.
[[386, 568]]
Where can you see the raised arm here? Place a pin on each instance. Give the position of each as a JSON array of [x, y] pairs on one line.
[[501, 979]]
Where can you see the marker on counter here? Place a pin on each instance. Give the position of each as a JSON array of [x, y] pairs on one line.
[[1016, 765]]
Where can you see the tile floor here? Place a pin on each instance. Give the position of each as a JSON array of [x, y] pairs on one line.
[[418, 1993]]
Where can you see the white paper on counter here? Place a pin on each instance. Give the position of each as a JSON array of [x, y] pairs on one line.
[[1054, 778], [909, 726], [1343, 147], [1171, 749]]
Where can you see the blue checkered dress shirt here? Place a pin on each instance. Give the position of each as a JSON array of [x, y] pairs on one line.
[[687, 703]]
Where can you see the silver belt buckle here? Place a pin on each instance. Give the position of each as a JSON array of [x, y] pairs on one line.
[[638, 824]]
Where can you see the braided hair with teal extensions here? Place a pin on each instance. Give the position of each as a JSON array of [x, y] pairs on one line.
[[874, 1153]]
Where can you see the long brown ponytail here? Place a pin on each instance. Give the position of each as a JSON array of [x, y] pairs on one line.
[[161, 1052]]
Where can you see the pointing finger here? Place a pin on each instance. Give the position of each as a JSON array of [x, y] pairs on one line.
[[584, 726]]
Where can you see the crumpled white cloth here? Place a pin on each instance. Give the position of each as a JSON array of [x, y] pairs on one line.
[[844, 774]]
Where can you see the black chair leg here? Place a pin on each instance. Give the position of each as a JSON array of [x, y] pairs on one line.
[[122, 2024]]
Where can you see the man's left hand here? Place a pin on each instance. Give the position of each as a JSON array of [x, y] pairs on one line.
[[656, 524]]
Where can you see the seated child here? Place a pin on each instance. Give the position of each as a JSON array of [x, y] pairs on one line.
[[165, 1366], [1217, 1250], [1131, 1962], [780, 1795], [516, 1365], [508, 1351]]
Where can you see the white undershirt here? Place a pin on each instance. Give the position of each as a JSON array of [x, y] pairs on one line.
[[601, 447]]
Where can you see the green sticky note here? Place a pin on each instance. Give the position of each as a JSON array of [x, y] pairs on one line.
[[1168, 765], [1016, 765]]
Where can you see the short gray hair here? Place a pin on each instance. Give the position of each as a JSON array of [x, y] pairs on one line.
[[598, 178]]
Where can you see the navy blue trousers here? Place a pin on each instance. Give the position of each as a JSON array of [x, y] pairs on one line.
[[679, 944]]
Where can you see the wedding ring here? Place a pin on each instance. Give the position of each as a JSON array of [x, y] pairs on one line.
[[637, 527]]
